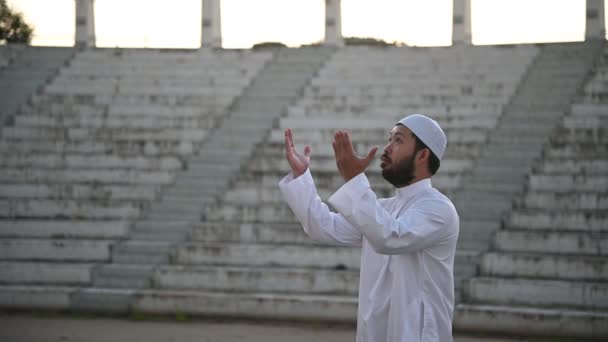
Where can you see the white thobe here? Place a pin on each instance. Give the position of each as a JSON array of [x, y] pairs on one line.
[[406, 286]]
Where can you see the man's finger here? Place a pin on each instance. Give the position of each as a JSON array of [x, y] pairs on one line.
[[348, 145], [289, 141], [340, 141], [287, 144]]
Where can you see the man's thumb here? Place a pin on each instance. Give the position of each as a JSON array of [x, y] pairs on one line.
[[307, 151], [371, 154]]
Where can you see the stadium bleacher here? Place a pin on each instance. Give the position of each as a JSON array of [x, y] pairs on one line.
[[150, 176]]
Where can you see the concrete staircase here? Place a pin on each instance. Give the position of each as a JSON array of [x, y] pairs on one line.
[[547, 271], [167, 223], [26, 71], [506, 159]]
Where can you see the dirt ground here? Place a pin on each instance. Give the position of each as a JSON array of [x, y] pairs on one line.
[[24, 327]]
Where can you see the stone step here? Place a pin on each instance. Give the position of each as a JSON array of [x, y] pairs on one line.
[[585, 201], [104, 135], [545, 266], [276, 255], [81, 192], [512, 320], [134, 252], [30, 297], [573, 166], [70, 176], [261, 212], [89, 162], [70, 209], [257, 279], [558, 220], [82, 147], [552, 242], [539, 293], [243, 232], [123, 276], [114, 121], [48, 273], [572, 183], [64, 229], [249, 305], [138, 235], [77, 250], [102, 300]]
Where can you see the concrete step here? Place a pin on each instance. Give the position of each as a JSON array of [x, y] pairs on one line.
[[477, 234], [512, 320], [135, 252], [249, 305], [584, 201], [115, 121], [150, 148], [45, 273], [244, 232], [573, 166], [80, 192], [49, 161], [277, 255], [102, 300], [64, 229], [565, 220], [67, 209], [262, 212], [55, 250], [539, 293], [257, 279], [30, 297], [545, 266], [552, 242], [106, 134], [123, 276], [75, 176]]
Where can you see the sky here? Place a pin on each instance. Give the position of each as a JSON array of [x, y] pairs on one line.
[[176, 23]]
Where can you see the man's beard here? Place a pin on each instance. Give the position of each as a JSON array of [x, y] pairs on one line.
[[400, 175]]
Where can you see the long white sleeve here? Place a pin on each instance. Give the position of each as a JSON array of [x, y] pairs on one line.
[[317, 220], [427, 222]]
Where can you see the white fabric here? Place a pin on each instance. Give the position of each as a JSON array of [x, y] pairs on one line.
[[427, 130], [406, 288]]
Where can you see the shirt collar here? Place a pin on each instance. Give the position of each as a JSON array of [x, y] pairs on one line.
[[411, 190]]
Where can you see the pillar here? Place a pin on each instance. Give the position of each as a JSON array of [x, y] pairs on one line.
[[595, 27], [85, 23], [461, 23], [211, 35], [333, 23]]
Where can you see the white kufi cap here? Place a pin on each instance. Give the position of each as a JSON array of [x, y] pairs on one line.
[[427, 130]]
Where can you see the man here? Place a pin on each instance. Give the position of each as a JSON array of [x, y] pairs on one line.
[[406, 287]]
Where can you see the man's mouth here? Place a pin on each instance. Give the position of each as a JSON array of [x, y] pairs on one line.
[[384, 161]]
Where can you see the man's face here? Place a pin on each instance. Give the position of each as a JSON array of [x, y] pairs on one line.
[[397, 161]]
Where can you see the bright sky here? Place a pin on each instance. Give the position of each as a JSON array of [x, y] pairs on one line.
[[176, 23]]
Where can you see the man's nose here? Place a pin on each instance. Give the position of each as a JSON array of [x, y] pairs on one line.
[[387, 148]]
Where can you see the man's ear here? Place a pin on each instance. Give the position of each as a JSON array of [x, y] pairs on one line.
[[423, 155]]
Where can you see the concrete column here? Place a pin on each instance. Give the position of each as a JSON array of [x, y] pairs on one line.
[[85, 23], [211, 35], [461, 23], [333, 23], [595, 27]]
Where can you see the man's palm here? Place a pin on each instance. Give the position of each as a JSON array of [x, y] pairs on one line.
[[298, 162]]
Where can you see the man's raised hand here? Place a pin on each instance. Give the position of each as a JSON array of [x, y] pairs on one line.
[[349, 164], [299, 163]]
